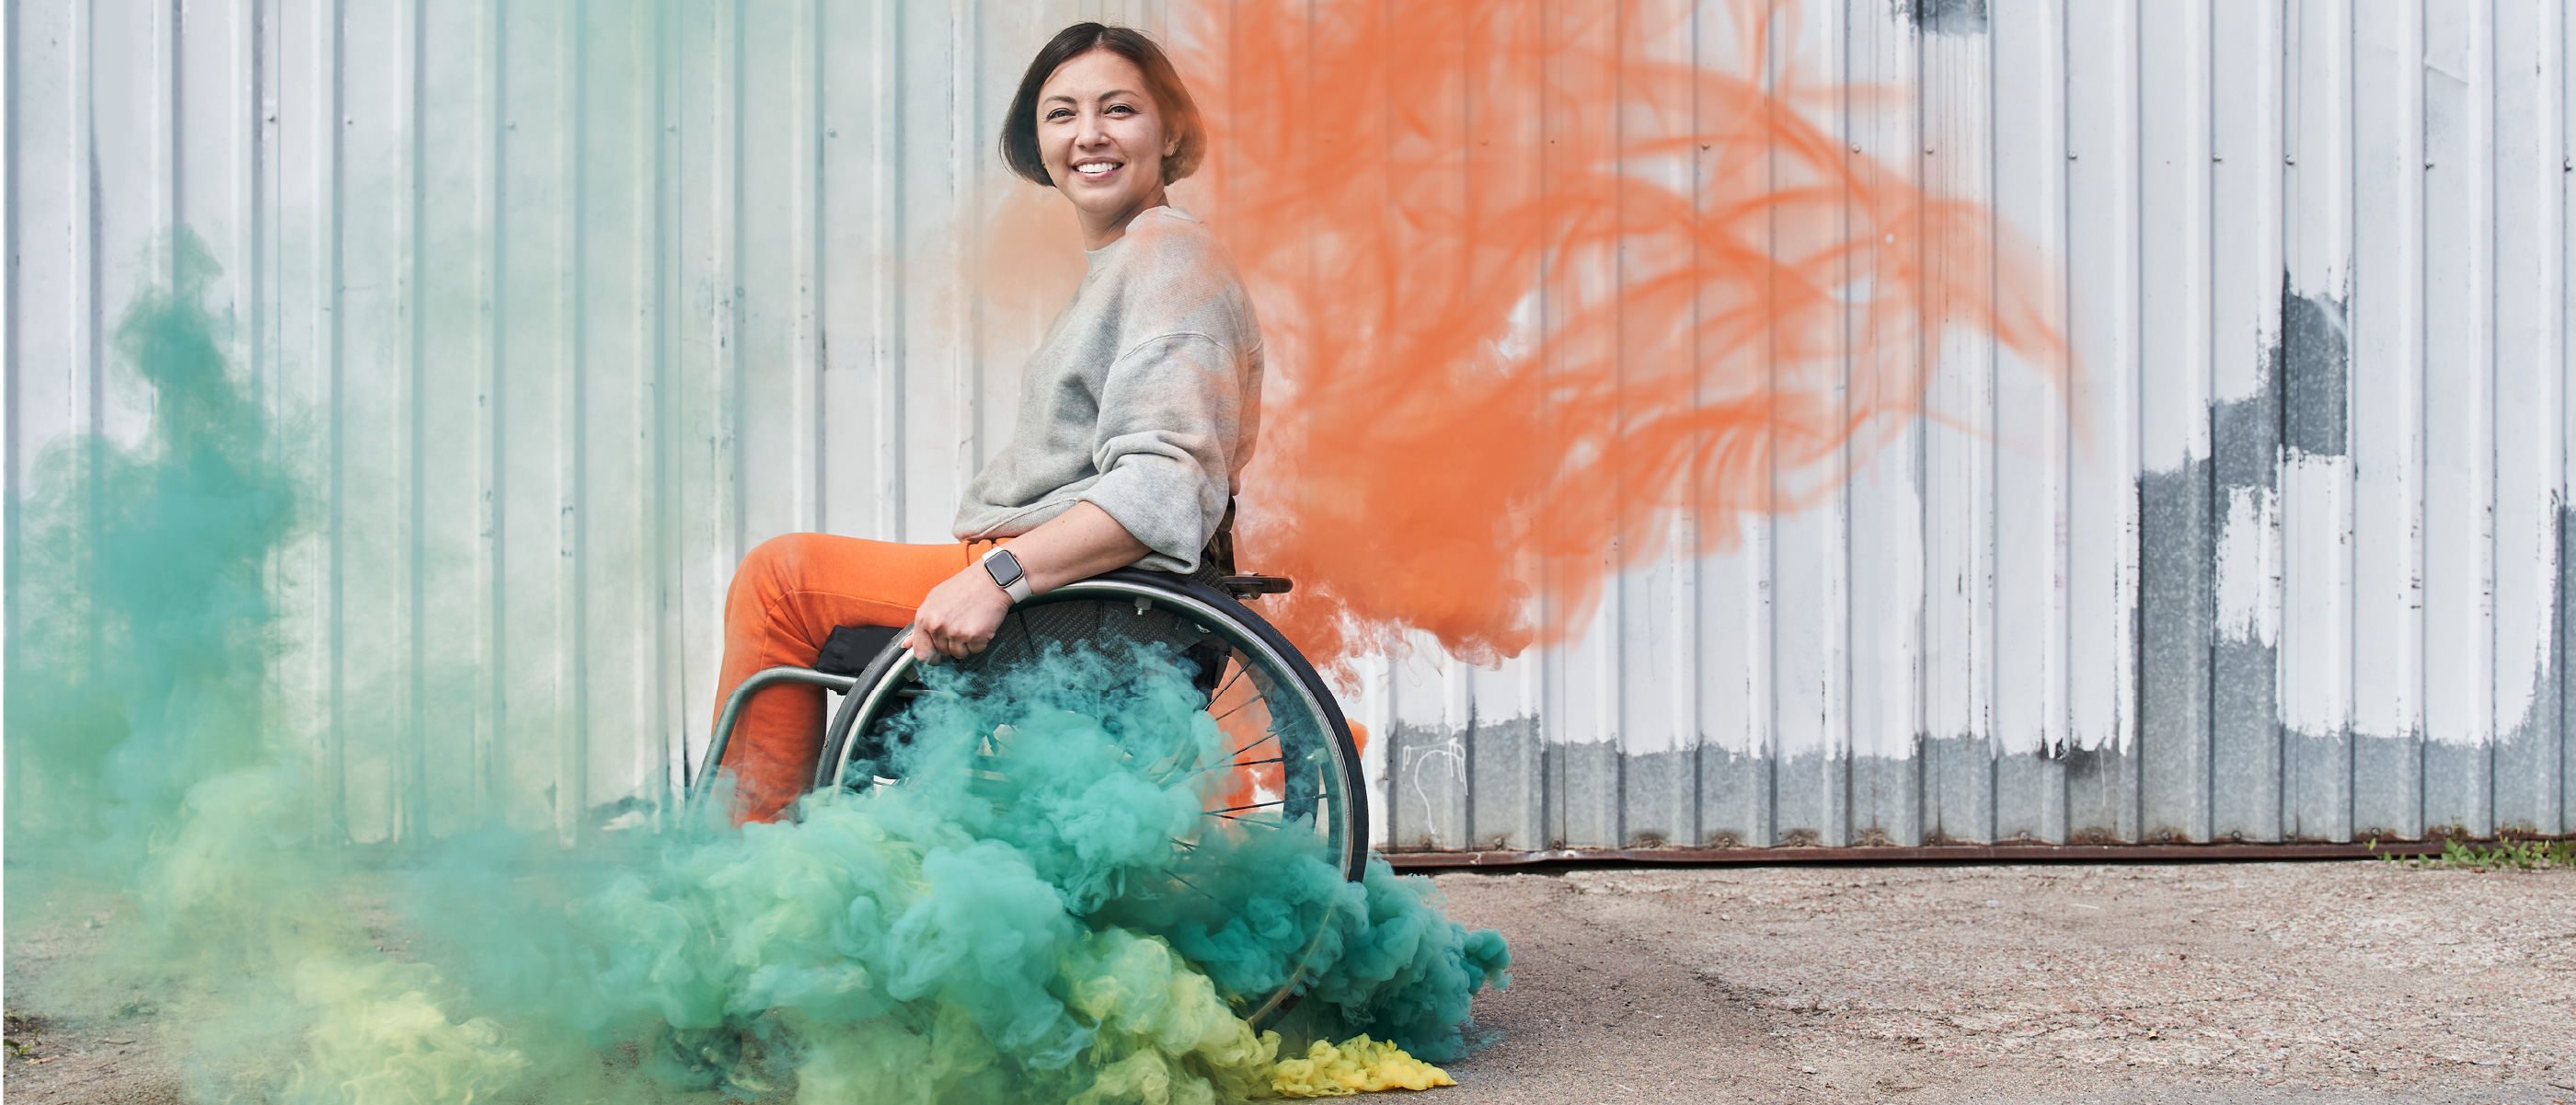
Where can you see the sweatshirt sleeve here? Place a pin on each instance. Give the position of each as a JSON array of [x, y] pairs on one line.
[[1168, 413]]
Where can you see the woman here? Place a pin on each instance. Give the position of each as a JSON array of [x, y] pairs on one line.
[[1136, 415]]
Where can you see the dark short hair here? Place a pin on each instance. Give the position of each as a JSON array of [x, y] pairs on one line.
[[1162, 82]]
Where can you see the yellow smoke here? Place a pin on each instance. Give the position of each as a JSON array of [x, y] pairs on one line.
[[1354, 1066]]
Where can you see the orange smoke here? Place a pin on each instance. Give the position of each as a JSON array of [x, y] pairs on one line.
[[1532, 283]]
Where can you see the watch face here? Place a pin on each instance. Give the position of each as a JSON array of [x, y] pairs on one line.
[[1003, 567]]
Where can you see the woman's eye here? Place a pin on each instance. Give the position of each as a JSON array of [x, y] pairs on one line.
[[1060, 113]]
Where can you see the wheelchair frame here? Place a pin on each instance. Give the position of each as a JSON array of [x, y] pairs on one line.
[[1180, 593]]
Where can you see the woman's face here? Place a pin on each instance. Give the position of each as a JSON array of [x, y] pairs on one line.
[[1104, 142]]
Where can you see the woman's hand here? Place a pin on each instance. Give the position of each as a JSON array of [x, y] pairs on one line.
[[958, 617]]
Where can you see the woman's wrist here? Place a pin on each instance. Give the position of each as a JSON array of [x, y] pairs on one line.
[[1003, 568], [1078, 544]]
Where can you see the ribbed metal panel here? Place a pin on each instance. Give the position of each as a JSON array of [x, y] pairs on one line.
[[572, 302]]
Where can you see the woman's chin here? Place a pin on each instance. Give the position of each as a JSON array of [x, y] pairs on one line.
[[1100, 195], [1106, 205]]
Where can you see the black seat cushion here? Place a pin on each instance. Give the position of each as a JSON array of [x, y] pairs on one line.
[[851, 647]]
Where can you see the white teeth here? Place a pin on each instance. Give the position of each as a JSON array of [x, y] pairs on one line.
[[1095, 168]]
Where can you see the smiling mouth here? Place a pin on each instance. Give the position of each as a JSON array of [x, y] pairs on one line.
[[1096, 168]]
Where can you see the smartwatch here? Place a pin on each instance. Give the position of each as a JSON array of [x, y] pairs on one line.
[[1006, 573]]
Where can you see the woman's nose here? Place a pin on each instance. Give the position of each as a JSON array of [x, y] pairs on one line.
[[1090, 131]]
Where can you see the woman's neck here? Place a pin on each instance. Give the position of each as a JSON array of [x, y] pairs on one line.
[[1103, 234]]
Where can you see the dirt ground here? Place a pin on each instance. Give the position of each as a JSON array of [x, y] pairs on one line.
[[2324, 982], [2318, 982]]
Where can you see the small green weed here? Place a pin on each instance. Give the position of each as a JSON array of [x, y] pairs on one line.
[[22, 1030], [2503, 855]]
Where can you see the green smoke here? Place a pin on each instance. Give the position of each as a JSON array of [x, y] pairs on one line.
[[149, 779], [1026, 934], [141, 613]]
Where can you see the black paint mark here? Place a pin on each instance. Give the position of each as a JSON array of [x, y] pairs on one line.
[[2314, 364], [1948, 17], [2208, 709]]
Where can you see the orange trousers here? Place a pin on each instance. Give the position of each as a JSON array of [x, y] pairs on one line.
[[785, 600]]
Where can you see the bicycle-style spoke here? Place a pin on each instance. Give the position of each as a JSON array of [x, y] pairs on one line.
[[1267, 735], [1177, 877], [1167, 773], [1254, 806], [1239, 708], [1240, 820], [1238, 763], [1239, 669]]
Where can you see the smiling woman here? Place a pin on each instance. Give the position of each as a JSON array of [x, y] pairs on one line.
[[1097, 102], [1135, 418]]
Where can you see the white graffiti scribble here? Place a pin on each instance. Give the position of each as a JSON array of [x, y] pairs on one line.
[[1417, 759]]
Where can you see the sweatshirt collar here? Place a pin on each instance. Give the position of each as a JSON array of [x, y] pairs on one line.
[[1170, 211]]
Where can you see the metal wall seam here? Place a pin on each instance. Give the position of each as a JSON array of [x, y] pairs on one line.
[[2566, 70], [1885, 554], [2386, 419], [2313, 362], [2530, 386], [2039, 781], [2457, 75], [2104, 331]]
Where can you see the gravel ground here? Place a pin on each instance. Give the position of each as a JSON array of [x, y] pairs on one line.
[[100, 1048], [2325, 982]]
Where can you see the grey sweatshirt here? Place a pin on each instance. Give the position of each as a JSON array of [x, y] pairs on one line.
[[1144, 399]]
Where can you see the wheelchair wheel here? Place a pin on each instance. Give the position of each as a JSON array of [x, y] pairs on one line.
[[1289, 767]]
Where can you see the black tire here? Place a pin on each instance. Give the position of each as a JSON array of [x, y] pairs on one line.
[[1319, 784]]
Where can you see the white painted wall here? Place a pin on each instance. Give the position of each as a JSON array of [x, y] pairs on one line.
[[578, 301]]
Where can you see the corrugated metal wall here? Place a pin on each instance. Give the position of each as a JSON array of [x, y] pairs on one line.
[[570, 302]]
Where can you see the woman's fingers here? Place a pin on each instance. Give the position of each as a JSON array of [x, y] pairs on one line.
[[956, 645], [957, 619], [932, 644]]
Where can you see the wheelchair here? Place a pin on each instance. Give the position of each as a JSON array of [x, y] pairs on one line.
[[1289, 764]]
